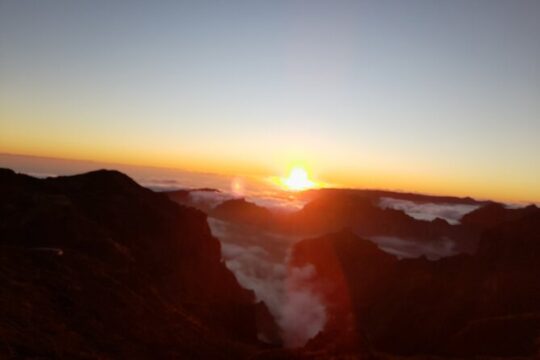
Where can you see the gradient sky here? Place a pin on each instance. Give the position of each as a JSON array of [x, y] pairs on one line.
[[433, 96]]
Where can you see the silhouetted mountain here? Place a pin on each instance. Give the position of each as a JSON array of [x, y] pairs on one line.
[[95, 265], [482, 305], [377, 194], [494, 214], [244, 212], [335, 211]]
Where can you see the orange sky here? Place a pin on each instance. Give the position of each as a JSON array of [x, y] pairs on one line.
[[420, 183]]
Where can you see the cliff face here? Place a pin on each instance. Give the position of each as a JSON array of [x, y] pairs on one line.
[[487, 304], [95, 265]]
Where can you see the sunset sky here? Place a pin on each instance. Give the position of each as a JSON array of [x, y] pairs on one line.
[[428, 96]]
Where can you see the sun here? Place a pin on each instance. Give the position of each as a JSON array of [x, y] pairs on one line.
[[298, 180]]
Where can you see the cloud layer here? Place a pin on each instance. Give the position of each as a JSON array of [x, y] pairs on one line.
[[259, 261], [428, 211]]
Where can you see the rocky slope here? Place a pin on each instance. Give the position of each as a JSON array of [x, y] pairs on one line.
[[487, 304], [96, 266]]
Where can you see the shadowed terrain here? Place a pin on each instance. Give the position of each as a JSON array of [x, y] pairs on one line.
[[487, 304], [96, 266]]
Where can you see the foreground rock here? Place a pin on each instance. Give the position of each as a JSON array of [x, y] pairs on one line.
[[96, 266]]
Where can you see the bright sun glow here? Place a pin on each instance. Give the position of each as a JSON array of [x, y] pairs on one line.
[[298, 180]]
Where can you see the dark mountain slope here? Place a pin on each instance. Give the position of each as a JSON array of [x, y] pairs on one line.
[[493, 214], [96, 266], [487, 304]]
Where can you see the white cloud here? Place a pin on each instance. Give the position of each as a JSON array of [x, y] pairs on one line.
[[428, 211], [259, 261], [303, 313], [403, 248], [209, 199]]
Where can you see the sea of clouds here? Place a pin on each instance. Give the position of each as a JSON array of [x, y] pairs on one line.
[[260, 262], [428, 211]]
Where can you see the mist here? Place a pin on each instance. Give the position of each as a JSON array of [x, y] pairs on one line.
[[260, 262]]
